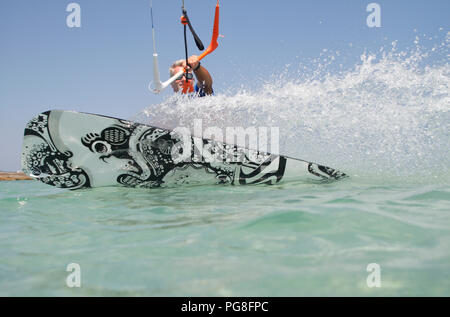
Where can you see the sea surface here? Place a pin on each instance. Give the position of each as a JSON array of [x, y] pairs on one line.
[[384, 231], [292, 239]]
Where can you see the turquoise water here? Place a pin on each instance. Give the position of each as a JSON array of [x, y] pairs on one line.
[[292, 239]]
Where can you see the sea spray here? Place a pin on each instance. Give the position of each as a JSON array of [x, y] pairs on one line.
[[386, 116]]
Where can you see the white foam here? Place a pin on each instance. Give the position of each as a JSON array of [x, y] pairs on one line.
[[386, 115]]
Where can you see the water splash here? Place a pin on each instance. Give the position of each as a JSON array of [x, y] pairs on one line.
[[386, 115]]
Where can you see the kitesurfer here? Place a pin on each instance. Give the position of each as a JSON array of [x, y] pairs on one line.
[[203, 87]]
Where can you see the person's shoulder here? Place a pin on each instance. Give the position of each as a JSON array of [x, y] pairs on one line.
[[201, 92]]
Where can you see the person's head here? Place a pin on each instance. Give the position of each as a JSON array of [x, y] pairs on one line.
[[177, 85]]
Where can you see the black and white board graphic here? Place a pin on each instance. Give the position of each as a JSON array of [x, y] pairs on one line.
[[75, 150]]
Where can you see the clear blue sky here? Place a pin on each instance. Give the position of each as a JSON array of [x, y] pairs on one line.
[[105, 65]]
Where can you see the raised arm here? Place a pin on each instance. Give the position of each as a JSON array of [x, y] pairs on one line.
[[204, 78]]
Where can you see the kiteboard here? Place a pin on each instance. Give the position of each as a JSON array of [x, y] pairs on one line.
[[75, 150]]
